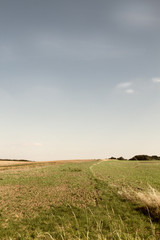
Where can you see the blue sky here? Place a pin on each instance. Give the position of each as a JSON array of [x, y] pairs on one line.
[[79, 79]]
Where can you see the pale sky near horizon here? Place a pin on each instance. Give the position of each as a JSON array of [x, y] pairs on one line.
[[79, 78]]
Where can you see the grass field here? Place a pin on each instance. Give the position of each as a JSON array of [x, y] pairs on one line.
[[98, 200]]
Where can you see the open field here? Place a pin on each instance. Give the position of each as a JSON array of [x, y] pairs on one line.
[[6, 163], [19, 162], [99, 200]]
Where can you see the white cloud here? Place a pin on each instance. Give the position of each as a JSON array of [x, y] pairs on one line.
[[124, 85], [156, 80], [129, 91]]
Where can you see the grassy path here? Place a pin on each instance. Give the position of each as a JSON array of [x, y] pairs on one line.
[[95, 164]]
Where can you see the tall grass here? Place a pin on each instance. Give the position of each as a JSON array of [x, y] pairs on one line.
[[117, 229], [148, 200]]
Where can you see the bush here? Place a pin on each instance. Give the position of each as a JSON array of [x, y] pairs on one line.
[[120, 158], [144, 158]]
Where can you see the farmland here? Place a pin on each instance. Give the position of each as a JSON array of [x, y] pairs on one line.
[[65, 200]]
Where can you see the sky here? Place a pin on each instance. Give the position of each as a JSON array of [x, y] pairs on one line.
[[79, 78]]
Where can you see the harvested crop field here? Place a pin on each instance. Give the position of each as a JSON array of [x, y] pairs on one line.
[[6, 163]]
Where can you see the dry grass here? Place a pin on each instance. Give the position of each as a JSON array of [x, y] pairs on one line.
[[10, 162], [148, 200], [24, 191], [7, 163], [18, 201]]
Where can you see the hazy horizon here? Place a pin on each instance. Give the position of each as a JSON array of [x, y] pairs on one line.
[[79, 79]]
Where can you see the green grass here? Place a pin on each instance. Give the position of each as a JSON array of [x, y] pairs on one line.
[[131, 173], [75, 201]]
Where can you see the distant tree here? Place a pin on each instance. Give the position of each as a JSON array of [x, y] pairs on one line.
[[120, 158], [144, 158]]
